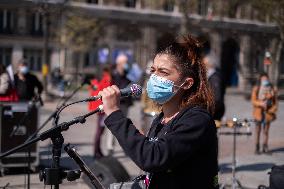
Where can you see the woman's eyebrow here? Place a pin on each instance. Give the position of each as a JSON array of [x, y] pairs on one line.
[[164, 69], [160, 68]]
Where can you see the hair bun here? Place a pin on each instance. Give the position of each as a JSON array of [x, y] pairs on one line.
[[192, 42], [193, 47]]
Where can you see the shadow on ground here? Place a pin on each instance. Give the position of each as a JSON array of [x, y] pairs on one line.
[[276, 150], [227, 168]]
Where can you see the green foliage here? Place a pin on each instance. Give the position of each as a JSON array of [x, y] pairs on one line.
[[80, 31]]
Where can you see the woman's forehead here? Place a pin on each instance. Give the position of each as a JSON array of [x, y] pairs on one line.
[[264, 77], [163, 61]]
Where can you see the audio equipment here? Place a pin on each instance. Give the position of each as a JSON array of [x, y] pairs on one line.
[[109, 170], [17, 122]]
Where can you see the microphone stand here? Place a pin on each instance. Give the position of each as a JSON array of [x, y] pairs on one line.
[[53, 175], [76, 157], [236, 124], [53, 115]]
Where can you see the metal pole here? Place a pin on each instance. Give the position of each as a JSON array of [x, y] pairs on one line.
[[234, 156], [45, 47]]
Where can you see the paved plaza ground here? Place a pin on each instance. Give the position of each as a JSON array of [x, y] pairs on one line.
[[251, 169]]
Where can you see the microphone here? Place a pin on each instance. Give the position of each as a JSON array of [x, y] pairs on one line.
[[132, 90]]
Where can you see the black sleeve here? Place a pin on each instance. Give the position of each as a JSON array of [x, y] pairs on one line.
[[38, 85], [170, 150], [216, 85]]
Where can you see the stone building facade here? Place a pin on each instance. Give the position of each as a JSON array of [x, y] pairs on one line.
[[138, 28]]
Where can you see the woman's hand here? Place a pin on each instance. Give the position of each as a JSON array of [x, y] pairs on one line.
[[263, 105], [110, 99]]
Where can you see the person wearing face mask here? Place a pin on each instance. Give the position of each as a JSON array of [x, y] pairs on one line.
[[180, 149], [265, 103], [119, 78], [27, 85]]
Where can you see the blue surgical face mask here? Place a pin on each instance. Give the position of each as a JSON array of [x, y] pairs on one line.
[[265, 83], [126, 67], [24, 70], [159, 89]]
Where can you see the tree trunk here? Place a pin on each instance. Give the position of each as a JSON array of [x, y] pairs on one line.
[[277, 61]]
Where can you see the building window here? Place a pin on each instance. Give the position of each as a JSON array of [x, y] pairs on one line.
[[92, 1], [203, 7], [5, 56], [86, 59], [7, 21], [130, 3], [34, 58], [37, 24], [169, 5]]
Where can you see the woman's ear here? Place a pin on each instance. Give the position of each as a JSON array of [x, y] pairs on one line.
[[188, 83]]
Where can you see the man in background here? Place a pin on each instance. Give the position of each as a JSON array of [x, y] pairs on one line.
[[216, 83], [119, 78]]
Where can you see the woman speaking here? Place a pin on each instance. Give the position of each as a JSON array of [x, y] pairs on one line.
[[180, 150]]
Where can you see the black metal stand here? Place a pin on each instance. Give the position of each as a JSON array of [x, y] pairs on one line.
[[54, 175], [235, 182], [76, 157], [53, 115]]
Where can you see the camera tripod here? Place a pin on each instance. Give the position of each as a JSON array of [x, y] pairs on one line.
[[236, 124]]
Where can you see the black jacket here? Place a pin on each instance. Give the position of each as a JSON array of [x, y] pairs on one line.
[[121, 81], [218, 88], [26, 89], [181, 154]]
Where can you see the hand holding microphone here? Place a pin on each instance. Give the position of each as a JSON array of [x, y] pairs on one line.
[[110, 96], [111, 99]]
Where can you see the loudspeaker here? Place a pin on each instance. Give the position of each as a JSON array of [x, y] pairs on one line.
[[25, 117], [109, 170]]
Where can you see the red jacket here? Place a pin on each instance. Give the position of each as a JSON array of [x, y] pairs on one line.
[[97, 86]]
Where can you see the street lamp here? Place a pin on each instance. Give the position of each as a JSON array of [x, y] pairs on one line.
[[44, 9]]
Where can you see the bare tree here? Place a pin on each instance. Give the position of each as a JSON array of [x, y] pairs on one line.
[[81, 31], [273, 11]]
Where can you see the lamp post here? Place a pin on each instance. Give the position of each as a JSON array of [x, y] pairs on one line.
[[44, 7]]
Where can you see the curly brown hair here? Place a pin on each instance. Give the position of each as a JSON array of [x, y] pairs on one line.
[[186, 54]]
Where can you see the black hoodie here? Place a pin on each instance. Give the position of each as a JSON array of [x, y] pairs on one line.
[[180, 154]]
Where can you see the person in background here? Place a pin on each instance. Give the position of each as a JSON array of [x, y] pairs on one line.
[[216, 83], [95, 87], [27, 85], [4, 81], [265, 104], [119, 78], [57, 80], [180, 150]]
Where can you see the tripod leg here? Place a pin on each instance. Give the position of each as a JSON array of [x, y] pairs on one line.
[[239, 184], [222, 186]]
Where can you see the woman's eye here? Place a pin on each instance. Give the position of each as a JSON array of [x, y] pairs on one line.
[[164, 73]]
